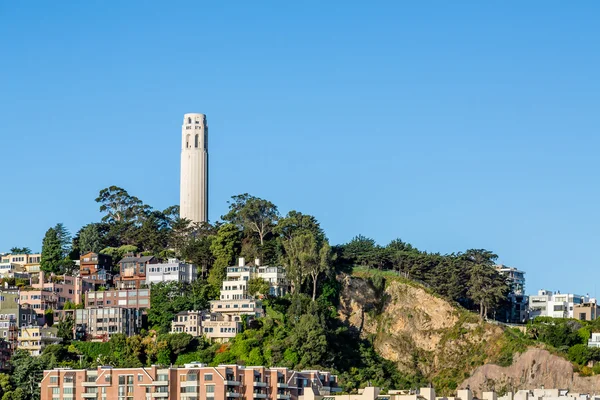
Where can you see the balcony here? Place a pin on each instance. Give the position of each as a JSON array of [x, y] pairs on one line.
[[160, 394], [89, 395], [89, 383], [259, 395], [232, 394], [282, 385], [188, 394], [232, 383], [189, 383], [160, 383], [283, 396], [260, 384]]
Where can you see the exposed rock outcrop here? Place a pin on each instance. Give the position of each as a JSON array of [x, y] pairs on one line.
[[417, 330], [533, 369]]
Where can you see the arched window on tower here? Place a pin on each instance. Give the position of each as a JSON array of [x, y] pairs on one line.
[[196, 141], [187, 142], [189, 120]]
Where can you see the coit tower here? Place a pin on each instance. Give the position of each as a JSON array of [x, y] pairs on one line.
[[193, 200]]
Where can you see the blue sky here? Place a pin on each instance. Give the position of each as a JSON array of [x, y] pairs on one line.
[[451, 125]]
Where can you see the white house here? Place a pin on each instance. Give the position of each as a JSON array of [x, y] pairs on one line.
[[172, 271]]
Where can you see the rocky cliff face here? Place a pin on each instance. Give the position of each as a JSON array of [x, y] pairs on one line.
[[533, 369], [450, 347], [419, 331]]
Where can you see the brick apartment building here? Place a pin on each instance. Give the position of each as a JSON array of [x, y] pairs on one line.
[[191, 382]]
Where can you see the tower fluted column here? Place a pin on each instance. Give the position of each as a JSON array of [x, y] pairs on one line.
[[193, 200]]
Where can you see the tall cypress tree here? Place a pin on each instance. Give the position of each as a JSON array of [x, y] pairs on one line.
[[51, 252]]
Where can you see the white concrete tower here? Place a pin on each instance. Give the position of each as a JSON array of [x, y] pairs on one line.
[[193, 200]]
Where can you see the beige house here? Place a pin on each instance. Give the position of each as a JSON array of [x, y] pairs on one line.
[[34, 339], [189, 322]]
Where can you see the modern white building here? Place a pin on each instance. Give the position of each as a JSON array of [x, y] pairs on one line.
[[172, 271], [594, 341], [555, 305], [518, 300], [193, 201]]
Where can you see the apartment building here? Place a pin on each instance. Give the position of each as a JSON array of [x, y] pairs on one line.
[[39, 300], [34, 339], [556, 305], [234, 299], [519, 302], [29, 263], [190, 382], [171, 271], [100, 324], [14, 315], [587, 311], [128, 298], [216, 327], [65, 287], [189, 322], [6, 351], [132, 271], [220, 328], [95, 268]]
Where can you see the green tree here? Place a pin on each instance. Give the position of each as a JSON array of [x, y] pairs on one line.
[[258, 286], [91, 239], [49, 317], [52, 257], [359, 250], [300, 234], [486, 286], [20, 250], [253, 214], [225, 246], [65, 328]]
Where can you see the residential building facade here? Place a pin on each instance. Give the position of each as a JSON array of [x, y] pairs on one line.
[[171, 271], [128, 298], [132, 271], [189, 322], [192, 381], [555, 305], [519, 302], [95, 267], [34, 339]]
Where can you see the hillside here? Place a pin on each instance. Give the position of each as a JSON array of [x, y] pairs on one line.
[[534, 368], [419, 331]]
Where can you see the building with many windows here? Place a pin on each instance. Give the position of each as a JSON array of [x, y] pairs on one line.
[[171, 271], [189, 322], [556, 305], [95, 268], [34, 339], [129, 298], [190, 382], [235, 299], [132, 271], [518, 300]]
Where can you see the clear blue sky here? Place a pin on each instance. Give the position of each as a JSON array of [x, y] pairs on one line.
[[452, 125]]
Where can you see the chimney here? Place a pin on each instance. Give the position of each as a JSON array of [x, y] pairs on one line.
[[241, 262], [257, 262]]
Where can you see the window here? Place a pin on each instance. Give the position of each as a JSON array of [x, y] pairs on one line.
[[210, 388], [208, 377], [68, 390], [55, 390], [140, 377], [196, 141], [54, 379]]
